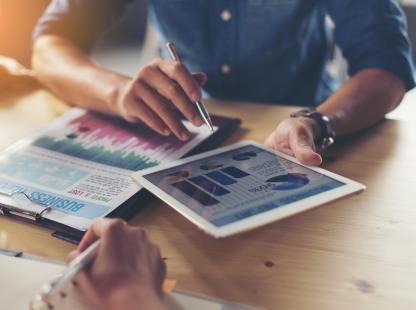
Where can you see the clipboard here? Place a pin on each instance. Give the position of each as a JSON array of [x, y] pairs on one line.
[[33, 212]]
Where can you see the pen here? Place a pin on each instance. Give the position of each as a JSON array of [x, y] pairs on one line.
[[201, 108], [69, 273]]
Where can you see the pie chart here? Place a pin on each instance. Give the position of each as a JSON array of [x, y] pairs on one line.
[[289, 181], [244, 156]]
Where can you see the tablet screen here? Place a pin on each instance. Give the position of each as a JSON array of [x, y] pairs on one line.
[[234, 185]]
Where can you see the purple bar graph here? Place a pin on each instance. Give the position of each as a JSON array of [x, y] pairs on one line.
[[235, 172], [209, 186], [195, 193]]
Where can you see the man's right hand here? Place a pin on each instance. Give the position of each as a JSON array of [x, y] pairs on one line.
[[154, 96], [158, 90]]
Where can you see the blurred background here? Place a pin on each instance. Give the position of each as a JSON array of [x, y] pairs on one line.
[[124, 47]]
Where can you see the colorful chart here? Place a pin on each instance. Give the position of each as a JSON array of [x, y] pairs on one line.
[[201, 188], [250, 181], [289, 181], [44, 172], [209, 186], [109, 141], [235, 172], [211, 165], [195, 193], [221, 178], [244, 156]]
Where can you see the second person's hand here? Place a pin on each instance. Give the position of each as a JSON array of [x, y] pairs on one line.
[[156, 92], [128, 271], [296, 137]]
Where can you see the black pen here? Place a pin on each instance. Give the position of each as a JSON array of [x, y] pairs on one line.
[[201, 108]]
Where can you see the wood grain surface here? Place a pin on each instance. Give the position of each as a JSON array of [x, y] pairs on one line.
[[356, 253]]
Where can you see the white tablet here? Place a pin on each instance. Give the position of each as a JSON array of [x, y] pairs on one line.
[[242, 186]]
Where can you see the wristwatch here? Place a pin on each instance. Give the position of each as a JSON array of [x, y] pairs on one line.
[[327, 136]]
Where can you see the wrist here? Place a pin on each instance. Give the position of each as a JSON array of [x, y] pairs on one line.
[[134, 297], [323, 134], [314, 126], [116, 85]]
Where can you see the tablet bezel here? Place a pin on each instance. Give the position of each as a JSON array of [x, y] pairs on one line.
[[254, 221]]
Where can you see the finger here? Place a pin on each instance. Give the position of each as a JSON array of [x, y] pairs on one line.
[[86, 283], [200, 77], [178, 72], [116, 235], [271, 141], [82, 278], [96, 231], [171, 89], [137, 237], [303, 147], [160, 277], [139, 109], [157, 104], [284, 148], [159, 266]]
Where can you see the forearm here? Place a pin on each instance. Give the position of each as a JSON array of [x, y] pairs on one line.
[[135, 299], [363, 101], [69, 73]]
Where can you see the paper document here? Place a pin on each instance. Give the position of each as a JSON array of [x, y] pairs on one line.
[[80, 164], [25, 278]]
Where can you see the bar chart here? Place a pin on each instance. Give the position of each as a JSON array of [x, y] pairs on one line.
[[110, 141]]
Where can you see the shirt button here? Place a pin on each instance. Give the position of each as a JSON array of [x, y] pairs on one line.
[[225, 69], [226, 15]]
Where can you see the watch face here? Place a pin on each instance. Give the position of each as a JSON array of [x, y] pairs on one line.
[[303, 113], [326, 142]]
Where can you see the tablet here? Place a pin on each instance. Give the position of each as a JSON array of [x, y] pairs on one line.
[[241, 187]]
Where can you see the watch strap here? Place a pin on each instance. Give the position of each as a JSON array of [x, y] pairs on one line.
[[327, 135]]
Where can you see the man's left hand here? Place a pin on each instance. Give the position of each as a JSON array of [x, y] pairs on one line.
[[12, 73], [296, 137]]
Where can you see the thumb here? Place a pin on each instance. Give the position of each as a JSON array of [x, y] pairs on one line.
[[303, 147], [200, 77]]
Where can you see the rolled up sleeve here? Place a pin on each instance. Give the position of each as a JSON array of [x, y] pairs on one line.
[[80, 21], [373, 34]]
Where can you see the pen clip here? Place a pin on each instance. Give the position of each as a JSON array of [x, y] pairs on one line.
[[23, 206]]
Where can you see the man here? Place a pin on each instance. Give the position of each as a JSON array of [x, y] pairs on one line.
[[258, 50], [136, 283]]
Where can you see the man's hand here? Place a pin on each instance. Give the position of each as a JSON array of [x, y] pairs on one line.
[[154, 96], [128, 271], [12, 72], [296, 137], [156, 92]]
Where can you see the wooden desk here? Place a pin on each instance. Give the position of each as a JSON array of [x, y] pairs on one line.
[[356, 253]]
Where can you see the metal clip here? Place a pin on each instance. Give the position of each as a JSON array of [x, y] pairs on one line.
[[23, 206]]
